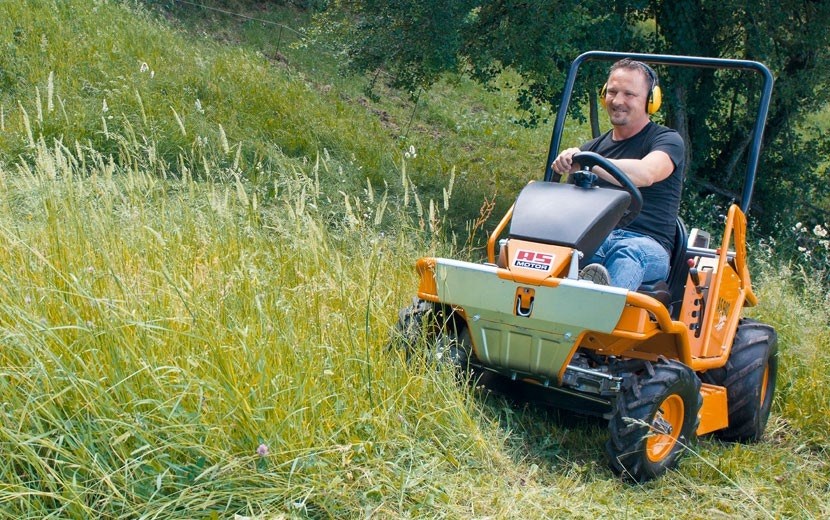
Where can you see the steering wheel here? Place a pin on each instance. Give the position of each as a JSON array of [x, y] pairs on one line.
[[590, 159]]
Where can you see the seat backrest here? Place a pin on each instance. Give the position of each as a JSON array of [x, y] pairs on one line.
[[670, 291], [678, 268]]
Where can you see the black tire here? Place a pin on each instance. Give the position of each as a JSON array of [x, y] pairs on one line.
[[749, 377], [413, 327], [436, 330], [643, 444]]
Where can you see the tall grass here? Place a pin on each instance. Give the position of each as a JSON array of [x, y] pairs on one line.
[[454, 126], [802, 319], [193, 315], [156, 333], [182, 348], [80, 72]]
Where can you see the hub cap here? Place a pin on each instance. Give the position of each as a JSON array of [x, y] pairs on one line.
[[665, 428]]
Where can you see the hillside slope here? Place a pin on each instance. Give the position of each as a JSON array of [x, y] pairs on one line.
[[196, 300]]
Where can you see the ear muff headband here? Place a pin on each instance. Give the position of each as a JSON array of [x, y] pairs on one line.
[[655, 93]]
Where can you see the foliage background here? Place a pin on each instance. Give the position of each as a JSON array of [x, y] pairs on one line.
[[199, 282], [538, 40]]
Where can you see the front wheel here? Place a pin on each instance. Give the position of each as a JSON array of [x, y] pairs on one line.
[[654, 419], [436, 330]]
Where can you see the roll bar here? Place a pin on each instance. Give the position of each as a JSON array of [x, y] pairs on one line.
[[681, 61]]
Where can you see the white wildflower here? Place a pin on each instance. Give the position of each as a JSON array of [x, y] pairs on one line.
[[199, 106], [144, 67], [819, 231], [104, 107]]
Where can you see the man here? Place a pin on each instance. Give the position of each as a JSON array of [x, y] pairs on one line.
[[653, 158]]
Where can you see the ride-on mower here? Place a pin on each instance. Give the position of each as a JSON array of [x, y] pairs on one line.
[[662, 364]]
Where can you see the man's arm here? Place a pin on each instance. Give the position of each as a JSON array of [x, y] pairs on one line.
[[652, 168], [644, 172]]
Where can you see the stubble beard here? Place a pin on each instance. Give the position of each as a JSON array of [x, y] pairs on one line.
[[619, 117]]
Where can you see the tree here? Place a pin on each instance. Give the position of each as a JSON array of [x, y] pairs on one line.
[[414, 41], [417, 40], [791, 38]]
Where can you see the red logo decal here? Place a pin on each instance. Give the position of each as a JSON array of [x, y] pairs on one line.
[[533, 260]]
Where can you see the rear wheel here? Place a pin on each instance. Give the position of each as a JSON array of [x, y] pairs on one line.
[[654, 419], [749, 377]]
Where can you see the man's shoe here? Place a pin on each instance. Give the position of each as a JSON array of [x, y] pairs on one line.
[[595, 273]]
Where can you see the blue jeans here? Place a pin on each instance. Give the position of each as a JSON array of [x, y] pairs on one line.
[[631, 259]]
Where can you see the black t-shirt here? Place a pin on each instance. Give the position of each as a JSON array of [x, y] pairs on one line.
[[661, 200]]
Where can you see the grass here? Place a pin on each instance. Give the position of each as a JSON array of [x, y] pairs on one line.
[[194, 325], [157, 332], [455, 126], [150, 313]]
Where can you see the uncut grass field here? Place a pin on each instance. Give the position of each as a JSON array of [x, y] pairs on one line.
[[203, 252]]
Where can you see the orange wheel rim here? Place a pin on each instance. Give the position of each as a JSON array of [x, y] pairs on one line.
[[665, 428], [764, 383]]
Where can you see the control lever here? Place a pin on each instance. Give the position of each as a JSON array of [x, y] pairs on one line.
[[694, 274]]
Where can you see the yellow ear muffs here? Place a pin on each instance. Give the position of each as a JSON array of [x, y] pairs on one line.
[[655, 95], [655, 99]]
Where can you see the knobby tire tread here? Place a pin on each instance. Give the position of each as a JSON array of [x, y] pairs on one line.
[[638, 403]]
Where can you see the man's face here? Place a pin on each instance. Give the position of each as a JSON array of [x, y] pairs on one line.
[[626, 95]]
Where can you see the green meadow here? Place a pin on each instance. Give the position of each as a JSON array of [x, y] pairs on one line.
[[206, 238]]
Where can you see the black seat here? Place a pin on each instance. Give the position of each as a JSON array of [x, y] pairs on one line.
[[670, 291]]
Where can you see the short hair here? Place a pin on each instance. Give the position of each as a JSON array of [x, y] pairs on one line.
[[630, 64]]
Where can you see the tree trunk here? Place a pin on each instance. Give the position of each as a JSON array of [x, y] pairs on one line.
[[735, 157], [593, 113], [681, 123]]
